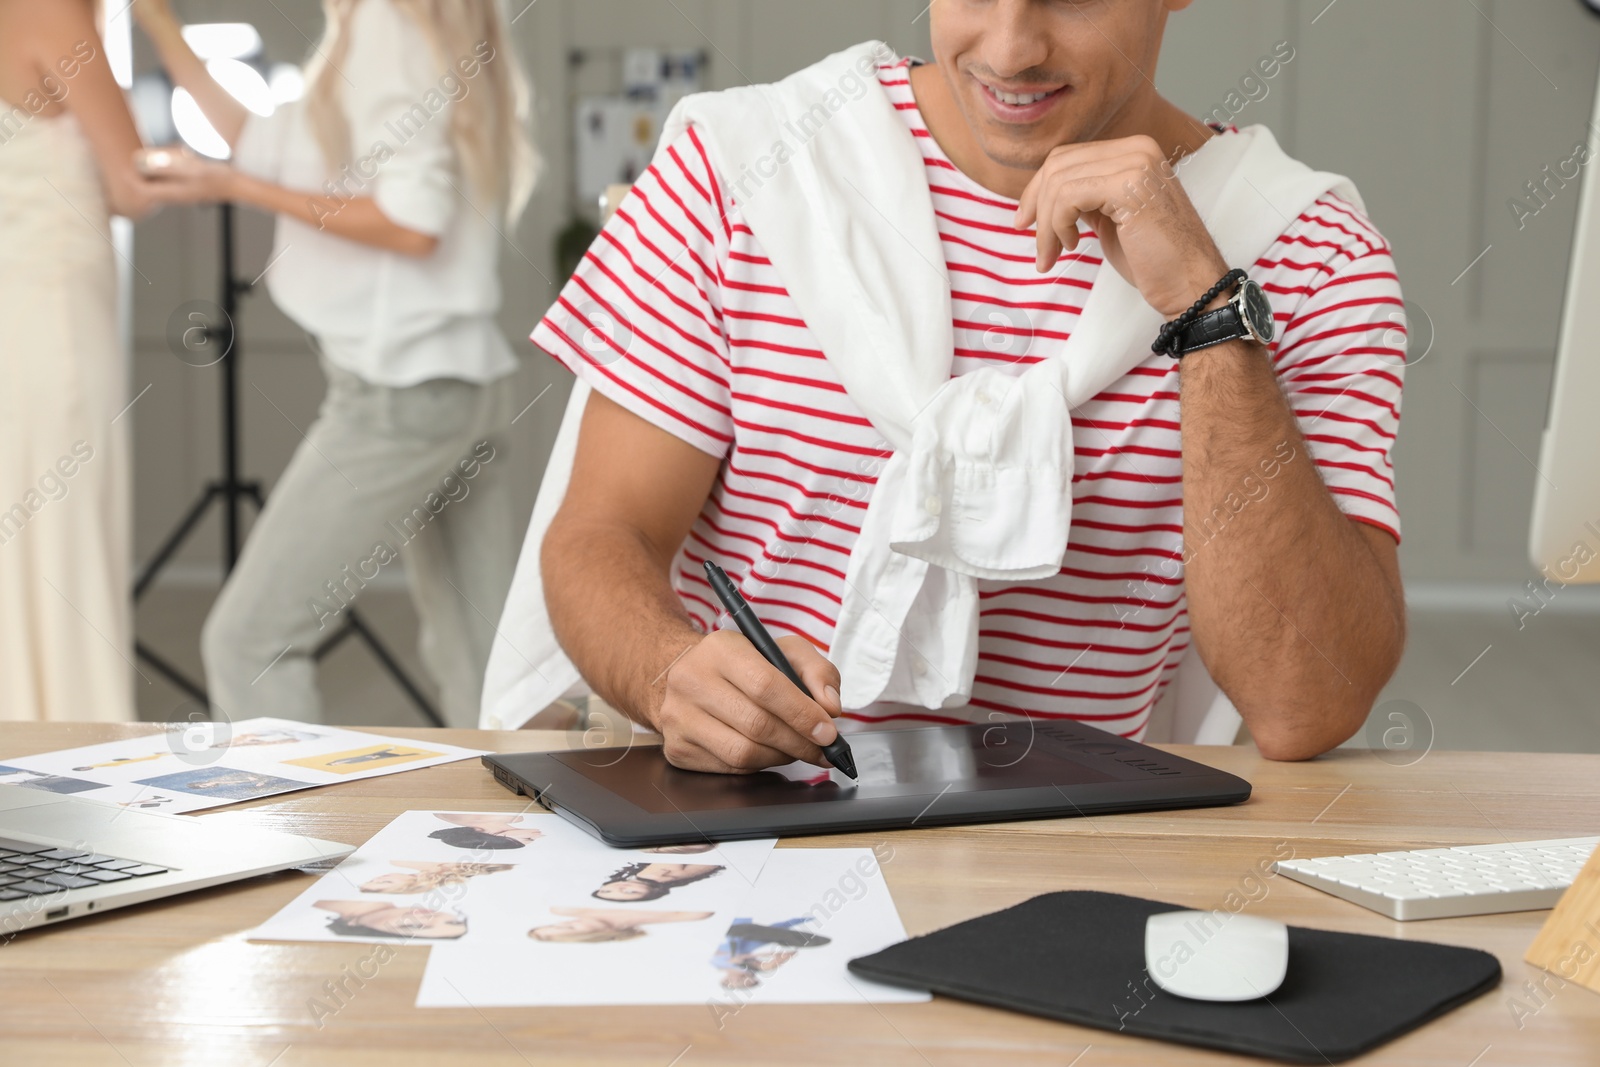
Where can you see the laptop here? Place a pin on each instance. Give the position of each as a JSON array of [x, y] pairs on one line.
[[935, 776], [64, 857]]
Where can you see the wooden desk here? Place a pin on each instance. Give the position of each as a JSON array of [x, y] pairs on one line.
[[175, 982]]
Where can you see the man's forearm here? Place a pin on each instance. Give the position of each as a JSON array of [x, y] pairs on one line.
[[1296, 618], [615, 613]]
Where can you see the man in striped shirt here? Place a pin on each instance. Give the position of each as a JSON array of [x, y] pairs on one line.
[[1255, 520]]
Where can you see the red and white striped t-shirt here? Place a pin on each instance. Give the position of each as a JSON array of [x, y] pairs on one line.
[[677, 315]]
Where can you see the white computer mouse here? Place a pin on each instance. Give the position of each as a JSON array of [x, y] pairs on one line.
[[1215, 955]]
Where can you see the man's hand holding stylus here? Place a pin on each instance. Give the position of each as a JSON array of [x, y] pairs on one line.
[[636, 491], [728, 710]]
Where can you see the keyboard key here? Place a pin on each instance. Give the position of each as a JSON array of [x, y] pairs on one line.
[[107, 876], [29, 873], [68, 881], [63, 854], [119, 865], [12, 894], [7, 845], [142, 870], [35, 889]]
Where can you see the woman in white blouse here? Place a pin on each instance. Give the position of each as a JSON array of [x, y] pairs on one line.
[[387, 180]]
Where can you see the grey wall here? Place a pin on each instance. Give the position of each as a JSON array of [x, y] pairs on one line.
[[1439, 109]]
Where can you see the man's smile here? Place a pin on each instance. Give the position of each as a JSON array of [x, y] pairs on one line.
[[1020, 104]]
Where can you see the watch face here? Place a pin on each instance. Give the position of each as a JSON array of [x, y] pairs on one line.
[[1258, 311]]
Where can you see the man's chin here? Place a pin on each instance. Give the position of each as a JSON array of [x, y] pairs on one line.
[[1027, 158], [1015, 149]]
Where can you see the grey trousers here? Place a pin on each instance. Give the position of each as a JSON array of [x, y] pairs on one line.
[[415, 478]]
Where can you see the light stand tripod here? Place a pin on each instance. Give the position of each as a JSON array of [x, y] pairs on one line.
[[231, 490]]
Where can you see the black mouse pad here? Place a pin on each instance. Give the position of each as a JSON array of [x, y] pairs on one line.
[[1079, 957]]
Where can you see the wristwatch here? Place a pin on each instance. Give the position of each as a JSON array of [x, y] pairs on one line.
[[1248, 314]]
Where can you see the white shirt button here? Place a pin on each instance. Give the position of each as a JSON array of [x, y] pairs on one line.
[[932, 505]]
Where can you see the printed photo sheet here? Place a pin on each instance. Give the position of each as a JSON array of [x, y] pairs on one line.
[[787, 941], [833, 905], [204, 764], [431, 878], [526, 909]]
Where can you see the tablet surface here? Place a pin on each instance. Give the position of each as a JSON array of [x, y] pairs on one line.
[[937, 776]]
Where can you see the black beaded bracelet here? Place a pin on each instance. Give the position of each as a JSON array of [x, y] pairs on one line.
[[1167, 340]]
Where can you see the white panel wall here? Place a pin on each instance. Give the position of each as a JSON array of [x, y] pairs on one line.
[[1439, 110]]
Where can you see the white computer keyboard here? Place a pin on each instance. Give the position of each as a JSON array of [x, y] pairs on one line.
[[1436, 883]]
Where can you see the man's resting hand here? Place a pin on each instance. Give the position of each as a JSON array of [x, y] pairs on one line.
[[728, 710]]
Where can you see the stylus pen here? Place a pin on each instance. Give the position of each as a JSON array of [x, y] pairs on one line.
[[838, 752]]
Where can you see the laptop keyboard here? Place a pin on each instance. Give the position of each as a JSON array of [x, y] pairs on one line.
[[28, 870]]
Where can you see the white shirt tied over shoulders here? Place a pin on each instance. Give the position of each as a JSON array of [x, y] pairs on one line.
[[979, 485], [389, 319]]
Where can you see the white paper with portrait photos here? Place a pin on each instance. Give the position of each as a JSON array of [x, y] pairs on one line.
[[476, 879], [811, 912], [204, 764], [786, 940]]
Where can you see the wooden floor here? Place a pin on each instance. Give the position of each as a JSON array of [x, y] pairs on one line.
[[1531, 690]]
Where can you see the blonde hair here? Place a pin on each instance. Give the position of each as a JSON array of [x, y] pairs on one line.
[[609, 933], [488, 124]]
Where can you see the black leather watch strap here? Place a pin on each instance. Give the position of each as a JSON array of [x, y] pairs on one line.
[[1211, 328], [1168, 339]]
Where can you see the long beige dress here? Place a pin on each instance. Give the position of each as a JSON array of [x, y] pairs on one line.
[[66, 626]]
